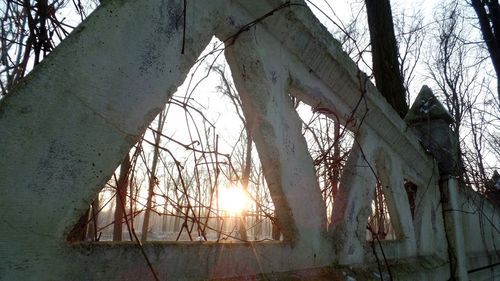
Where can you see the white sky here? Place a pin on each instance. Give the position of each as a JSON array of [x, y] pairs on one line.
[[345, 9]]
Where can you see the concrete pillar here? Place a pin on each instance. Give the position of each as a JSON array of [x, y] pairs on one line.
[[430, 121], [353, 203], [259, 67], [453, 227]]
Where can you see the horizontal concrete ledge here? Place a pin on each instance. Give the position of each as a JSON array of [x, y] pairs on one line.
[[482, 259], [413, 268], [313, 274], [169, 246], [267, 260], [198, 260]]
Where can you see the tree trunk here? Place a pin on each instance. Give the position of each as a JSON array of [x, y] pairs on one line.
[[385, 54], [93, 235], [275, 231], [488, 14], [121, 193], [152, 177], [244, 182], [335, 168], [79, 231]]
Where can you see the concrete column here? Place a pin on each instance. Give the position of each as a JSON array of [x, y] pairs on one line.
[[352, 207], [453, 227], [259, 67], [430, 121]]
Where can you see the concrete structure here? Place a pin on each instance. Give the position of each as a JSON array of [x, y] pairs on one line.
[[67, 125]]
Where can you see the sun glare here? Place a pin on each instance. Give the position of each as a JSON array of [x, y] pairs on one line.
[[233, 200]]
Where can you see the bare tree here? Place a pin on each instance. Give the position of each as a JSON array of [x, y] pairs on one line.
[[457, 71], [410, 34], [29, 31]]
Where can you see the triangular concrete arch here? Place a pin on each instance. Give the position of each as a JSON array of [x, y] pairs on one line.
[[68, 125]]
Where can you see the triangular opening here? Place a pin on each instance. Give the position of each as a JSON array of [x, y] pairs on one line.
[[194, 176], [411, 193], [380, 226], [329, 142]]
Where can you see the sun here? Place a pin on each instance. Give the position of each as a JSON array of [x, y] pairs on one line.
[[233, 200]]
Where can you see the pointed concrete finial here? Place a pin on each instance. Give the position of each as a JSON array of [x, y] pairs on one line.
[[427, 107]]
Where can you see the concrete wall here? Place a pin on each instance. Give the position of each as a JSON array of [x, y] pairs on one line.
[[481, 231], [69, 123]]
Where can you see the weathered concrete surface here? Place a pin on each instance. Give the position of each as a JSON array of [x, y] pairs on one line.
[[260, 72], [467, 216], [481, 234], [66, 127], [68, 124]]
